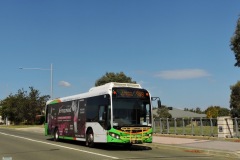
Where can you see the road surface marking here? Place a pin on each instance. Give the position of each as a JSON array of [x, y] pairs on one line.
[[79, 150]]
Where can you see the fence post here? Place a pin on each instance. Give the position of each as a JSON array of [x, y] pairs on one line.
[[201, 127], [211, 134], [161, 131], [175, 126], [183, 126], [167, 126], [154, 126], [192, 127], [236, 125]]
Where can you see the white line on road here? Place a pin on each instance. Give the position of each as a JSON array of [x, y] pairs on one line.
[[79, 150]]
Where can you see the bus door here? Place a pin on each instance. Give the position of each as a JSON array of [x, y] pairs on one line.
[[81, 118], [51, 118], [104, 116]]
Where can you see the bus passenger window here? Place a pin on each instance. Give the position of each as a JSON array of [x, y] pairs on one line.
[[102, 113]]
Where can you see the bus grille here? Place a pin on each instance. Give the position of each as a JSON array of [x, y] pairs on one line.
[[136, 134], [135, 129]]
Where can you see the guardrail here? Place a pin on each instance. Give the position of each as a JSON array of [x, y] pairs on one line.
[[210, 127]]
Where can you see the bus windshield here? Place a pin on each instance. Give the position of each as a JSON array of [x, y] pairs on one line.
[[131, 112]]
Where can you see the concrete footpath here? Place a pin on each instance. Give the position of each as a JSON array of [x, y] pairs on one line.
[[221, 147]]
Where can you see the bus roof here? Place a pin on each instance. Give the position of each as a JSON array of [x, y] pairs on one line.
[[114, 84], [95, 91]]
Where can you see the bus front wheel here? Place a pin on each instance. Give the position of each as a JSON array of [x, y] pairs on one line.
[[56, 135], [90, 139]]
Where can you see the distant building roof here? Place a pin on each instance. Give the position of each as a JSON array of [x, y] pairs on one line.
[[178, 113]]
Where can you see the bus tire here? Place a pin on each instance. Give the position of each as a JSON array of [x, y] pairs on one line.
[[56, 135], [90, 139]]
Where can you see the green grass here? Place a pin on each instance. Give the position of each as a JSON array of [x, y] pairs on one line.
[[19, 126]]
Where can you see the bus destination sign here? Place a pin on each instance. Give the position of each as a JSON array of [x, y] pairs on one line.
[[130, 93]]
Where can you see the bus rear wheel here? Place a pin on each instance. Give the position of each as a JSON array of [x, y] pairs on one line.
[[90, 139], [56, 135]]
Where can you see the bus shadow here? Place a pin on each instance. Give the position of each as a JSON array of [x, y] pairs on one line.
[[117, 147], [109, 147]]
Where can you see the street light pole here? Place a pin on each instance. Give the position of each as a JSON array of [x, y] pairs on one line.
[[51, 69], [51, 76]]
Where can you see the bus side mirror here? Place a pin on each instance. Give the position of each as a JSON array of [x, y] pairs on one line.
[[158, 101]]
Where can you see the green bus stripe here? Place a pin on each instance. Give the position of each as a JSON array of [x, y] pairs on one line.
[[68, 138]]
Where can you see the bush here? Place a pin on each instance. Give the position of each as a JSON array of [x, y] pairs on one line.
[[39, 119]]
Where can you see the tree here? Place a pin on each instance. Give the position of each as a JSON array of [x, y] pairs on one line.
[[235, 100], [235, 43], [163, 112], [235, 112], [23, 107], [12, 107], [216, 111], [114, 77], [212, 111], [196, 110], [223, 112], [35, 104]]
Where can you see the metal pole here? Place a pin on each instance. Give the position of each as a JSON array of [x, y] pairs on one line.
[[51, 81], [183, 125], [154, 126], [161, 129], [211, 134], [175, 126], [167, 126], [192, 126], [51, 77]]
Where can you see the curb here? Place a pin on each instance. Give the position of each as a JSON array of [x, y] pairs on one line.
[[210, 138], [222, 153]]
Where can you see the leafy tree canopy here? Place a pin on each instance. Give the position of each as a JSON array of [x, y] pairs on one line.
[[235, 44], [216, 111], [163, 112], [235, 100], [223, 112], [113, 77], [235, 112], [23, 106], [196, 110]]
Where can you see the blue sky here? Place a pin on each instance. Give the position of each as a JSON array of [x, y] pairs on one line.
[[178, 50]]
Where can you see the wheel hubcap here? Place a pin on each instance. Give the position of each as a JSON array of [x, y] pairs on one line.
[[90, 138], [56, 134]]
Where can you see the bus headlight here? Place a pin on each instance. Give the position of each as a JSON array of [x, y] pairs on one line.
[[114, 135]]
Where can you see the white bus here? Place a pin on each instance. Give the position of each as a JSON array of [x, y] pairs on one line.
[[112, 113]]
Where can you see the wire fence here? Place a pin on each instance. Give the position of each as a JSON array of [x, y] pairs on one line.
[[211, 127]]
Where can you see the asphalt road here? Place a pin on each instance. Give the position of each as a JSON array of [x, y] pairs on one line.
[[32, 145]]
